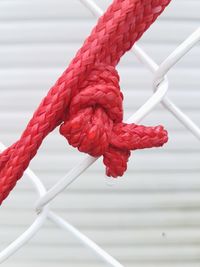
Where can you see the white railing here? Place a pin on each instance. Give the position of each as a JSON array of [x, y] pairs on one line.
[[160, 88]]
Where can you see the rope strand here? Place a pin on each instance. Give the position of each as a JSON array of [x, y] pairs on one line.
[[87, 100]]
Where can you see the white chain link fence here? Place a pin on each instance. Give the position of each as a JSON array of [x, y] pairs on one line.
[[161, 85]]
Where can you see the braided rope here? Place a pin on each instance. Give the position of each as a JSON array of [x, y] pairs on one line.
[[87, 100]]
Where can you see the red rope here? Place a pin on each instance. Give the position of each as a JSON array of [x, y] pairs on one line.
[[87, 98]]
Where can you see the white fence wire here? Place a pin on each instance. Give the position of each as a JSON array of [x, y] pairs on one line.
[[160, 88]]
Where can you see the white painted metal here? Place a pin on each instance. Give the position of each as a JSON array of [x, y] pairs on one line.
[[38, 223], [160, 88], [88, 161]]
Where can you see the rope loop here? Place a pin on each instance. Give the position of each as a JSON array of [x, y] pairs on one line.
[[92, 111], [94, 125], [87, 100]]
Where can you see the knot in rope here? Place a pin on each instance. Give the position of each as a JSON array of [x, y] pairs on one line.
[[94, 125], [92, 112], [87, 100]]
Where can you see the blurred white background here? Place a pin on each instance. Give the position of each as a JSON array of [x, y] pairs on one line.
[[151, 216]]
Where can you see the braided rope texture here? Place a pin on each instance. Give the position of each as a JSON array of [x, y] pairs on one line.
[[86, 99]]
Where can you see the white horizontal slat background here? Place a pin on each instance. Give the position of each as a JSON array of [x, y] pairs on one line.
[[151, 216]]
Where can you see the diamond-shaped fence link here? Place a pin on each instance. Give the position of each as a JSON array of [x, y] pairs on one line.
[[160, 88]]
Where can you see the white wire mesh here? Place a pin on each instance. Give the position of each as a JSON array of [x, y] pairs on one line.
[[160, 88]]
